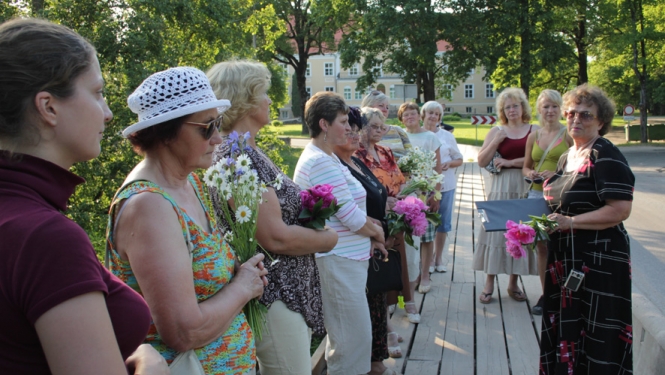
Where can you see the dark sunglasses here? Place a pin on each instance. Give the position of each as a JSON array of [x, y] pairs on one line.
[[210, 126], [583, 116]]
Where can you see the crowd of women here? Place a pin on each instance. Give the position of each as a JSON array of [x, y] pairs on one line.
[[174, 291]]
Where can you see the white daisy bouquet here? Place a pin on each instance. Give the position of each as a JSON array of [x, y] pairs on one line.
[[420, 165], [234, 178]]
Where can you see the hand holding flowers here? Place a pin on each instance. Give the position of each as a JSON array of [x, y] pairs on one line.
[[420, 164], [527, 234], [237, 182], [410, 216], [318, 205]]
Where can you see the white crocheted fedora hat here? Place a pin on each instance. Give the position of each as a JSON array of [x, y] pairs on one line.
[[170, 94]]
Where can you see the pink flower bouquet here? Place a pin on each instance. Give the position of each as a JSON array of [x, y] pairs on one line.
[[410, 215], [526, 234], [318, 205]]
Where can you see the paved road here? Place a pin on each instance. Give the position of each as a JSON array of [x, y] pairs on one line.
[[646, 224]]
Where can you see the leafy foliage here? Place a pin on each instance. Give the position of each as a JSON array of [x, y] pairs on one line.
[[384, 35], [135, 38]]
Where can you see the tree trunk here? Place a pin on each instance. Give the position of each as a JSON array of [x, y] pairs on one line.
[[419, 86], [301, 79], [525, 48], [429, 91], [580, 43], [637, 17], [37, 7]]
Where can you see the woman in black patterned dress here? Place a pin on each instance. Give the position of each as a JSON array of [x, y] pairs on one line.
[[293, 294], [588, 330]]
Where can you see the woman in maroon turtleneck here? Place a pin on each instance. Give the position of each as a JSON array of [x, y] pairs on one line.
[[62, 312]]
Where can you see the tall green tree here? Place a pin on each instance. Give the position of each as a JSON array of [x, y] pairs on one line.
[[519, 42], [309, 29], [401, 37], [634, 43]]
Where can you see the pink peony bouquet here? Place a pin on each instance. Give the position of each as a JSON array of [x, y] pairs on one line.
[[318, 205], [410, 215], [526, 234]]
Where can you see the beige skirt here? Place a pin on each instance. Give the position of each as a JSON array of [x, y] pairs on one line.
[[490, 255]]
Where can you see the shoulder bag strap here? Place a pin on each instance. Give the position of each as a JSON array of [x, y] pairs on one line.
[[549, 148]]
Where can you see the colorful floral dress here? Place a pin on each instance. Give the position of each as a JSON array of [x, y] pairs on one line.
[[588, 331], [213, 267], [385, 169]]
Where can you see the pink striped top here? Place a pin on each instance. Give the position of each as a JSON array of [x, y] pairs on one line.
[[316, 167]]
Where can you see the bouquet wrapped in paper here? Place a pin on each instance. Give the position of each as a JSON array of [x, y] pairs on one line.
[[523, 235], [420, 164], [318, 205], [410, 215], [234, 178]]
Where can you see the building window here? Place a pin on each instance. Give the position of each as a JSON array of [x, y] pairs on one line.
[[308, 72], [347, 93], [379, 70], [328, 69], [309, 92], [490, 110], [471, 72], [469, 109], [448, 91], [329, 88], [448, 109], [358, 94], [489, 90], [392, 91], [283, 113], [468, 91], [353, 71]]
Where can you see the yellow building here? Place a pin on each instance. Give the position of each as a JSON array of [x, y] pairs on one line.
[[324, 73]]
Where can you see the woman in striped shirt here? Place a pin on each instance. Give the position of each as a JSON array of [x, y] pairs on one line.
[[343, 271]]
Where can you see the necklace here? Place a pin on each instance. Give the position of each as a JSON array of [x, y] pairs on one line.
[[360, 170]]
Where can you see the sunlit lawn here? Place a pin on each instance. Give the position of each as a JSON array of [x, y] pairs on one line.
[[465, 133]]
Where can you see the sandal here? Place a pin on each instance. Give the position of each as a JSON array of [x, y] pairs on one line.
[[394, 351], [413, 317], [422, 289], [485, 298], [517, 295]]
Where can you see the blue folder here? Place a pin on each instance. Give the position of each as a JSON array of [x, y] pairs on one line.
[[495, 214]]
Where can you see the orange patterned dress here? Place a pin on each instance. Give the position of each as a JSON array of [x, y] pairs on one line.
[[385, 169]]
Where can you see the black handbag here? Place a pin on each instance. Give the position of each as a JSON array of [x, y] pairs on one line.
[[383, 276], [491, 168]]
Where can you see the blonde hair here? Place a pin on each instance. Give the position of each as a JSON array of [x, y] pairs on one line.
[[243, 82], [551, 95], [432, 104], [369, 113], [517, 94]]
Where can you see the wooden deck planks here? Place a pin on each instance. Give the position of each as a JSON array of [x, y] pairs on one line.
[[523, 344], [458, 346], [491, 353], [428, 339], [457, 334]]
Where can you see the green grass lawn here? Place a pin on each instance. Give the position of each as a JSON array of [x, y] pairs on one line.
[[465, 133]]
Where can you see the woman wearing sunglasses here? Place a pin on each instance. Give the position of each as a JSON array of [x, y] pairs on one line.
[[162, 239], [587, 314]]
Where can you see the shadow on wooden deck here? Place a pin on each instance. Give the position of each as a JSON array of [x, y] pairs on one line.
[[457, 334]]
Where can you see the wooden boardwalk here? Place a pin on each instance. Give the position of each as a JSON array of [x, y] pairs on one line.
[[457, 334]]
